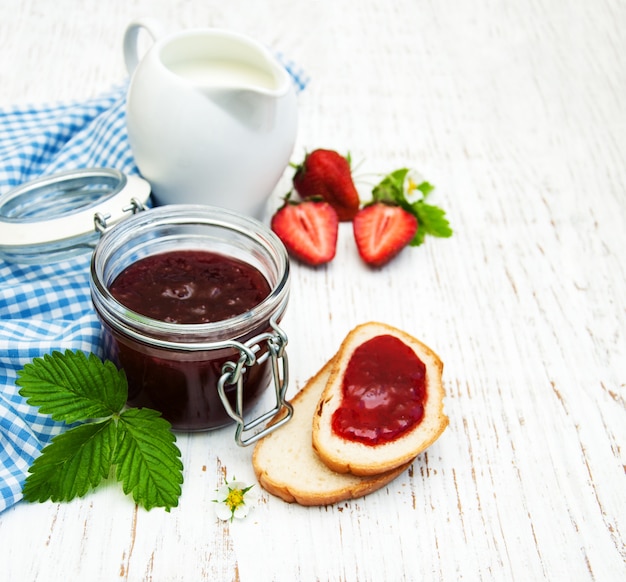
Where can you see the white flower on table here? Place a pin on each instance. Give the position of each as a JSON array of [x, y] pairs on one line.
[[234, 500]]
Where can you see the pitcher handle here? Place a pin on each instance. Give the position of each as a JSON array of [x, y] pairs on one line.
[[131, 50]]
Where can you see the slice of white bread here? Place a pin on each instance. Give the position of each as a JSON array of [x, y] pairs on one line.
[[343, 455], [286, 465]]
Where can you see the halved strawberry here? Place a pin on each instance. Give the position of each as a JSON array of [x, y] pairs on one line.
[[381, 231], [308, 230], [327, 174]]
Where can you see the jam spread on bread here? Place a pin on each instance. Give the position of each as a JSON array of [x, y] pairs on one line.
[[190, 287], [383, 392]]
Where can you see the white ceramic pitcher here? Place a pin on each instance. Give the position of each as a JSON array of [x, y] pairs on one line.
[[211, 117]]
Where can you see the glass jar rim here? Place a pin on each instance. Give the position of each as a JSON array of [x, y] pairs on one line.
[[190, 336]]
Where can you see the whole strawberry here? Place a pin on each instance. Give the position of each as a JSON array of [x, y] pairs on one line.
[[327, 174], [308, 230], [381, 231]]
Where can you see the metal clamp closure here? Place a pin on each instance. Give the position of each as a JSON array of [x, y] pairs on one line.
[[233, 374], [100, 219]]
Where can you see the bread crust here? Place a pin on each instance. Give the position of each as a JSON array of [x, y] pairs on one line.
[[286, 465], [346, 456]]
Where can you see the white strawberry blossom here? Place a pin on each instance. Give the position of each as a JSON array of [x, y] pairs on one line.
[[411, 181], [234, 500]]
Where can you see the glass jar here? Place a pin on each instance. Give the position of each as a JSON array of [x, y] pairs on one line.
[[207, 375]]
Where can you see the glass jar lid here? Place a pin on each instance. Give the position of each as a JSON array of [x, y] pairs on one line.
[[59, 216]]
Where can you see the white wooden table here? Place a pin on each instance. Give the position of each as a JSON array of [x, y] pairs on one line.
[[516, 111]]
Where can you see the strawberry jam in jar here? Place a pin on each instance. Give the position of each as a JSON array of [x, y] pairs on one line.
[[190, 299]]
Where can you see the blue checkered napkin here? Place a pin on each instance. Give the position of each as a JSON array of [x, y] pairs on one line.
[[48, 307], [298, 75], [42, 309], [42, 140]]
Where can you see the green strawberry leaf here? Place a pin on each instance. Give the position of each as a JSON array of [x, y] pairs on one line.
[[425, 188], [148, 462], [418, 239], [391, 188], [72, 463], [432, 220], [72, 387]]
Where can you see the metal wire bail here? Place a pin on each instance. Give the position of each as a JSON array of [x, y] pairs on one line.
[[100, 220], [233, 374]]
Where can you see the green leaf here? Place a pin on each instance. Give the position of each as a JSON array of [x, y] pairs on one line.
[[418, 239], [391, 188], [425, 188], [71, 386], [72, 463], [432, 220], [148, 461]]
